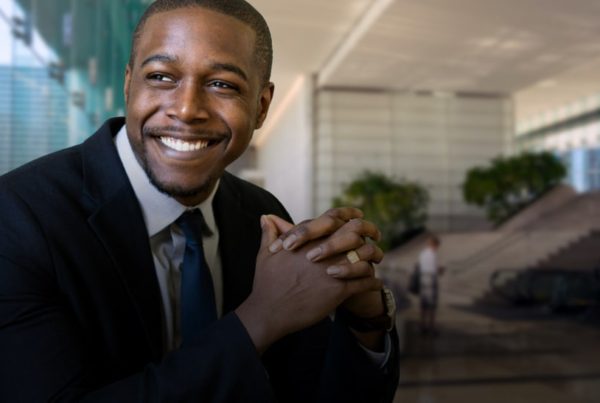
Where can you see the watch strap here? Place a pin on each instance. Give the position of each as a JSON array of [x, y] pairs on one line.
[[380, 322]]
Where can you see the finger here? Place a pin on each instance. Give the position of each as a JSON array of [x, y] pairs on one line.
[[335, 245], [342, 241], [370, 252], [282, 226], [344, 213], [361, 285], [269, 232], [325, 224], [351, 271], [347, 269], [362, 227]]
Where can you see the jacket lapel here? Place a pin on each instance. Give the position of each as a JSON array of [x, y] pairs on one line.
[[117, 220], [239, 242]]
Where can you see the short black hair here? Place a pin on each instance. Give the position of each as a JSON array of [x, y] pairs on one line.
[[238, 9], [434, 239]]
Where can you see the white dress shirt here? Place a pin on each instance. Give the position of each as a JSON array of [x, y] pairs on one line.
[[167, 240]]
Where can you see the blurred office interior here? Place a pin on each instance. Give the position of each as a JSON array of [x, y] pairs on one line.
[[422, 90]]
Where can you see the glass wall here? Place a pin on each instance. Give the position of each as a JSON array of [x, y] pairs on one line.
[[573, 133], [61, 72]]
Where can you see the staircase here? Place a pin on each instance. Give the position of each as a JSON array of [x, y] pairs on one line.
[[583, 254], [562, 230]]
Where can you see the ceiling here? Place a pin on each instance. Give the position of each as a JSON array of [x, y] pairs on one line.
[[544, 52]]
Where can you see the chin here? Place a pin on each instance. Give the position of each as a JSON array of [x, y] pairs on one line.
[[180, 185], [179, 191]]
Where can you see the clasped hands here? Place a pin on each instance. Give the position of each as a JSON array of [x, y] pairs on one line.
[[304, 272]]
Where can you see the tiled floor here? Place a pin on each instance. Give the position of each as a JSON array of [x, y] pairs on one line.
[[477, 358]]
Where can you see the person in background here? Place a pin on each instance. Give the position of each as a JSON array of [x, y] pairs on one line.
[[429, 273]]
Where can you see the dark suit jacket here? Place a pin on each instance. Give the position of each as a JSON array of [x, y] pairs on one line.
[[80, 310]]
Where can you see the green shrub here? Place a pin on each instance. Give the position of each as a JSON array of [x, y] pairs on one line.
[[511, 183], [398, 208]]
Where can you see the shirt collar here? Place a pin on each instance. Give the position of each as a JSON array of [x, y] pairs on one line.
[[159, 210]]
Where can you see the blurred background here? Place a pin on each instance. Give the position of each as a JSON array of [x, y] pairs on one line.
[[478, 120]]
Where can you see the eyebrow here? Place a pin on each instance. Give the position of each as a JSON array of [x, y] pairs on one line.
[[159, 58], [232, 68]]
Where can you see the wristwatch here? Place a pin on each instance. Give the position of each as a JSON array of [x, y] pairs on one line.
[[382, 322]]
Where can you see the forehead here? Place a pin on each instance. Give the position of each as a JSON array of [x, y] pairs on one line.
[[196, 33]]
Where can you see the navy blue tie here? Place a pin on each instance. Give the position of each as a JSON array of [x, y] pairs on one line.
[[198, 307]]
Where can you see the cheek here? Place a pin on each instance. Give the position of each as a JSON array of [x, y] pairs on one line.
[[242, 122], [142, 102]]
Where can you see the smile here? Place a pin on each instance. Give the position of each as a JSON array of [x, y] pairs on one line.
[[184, 146]]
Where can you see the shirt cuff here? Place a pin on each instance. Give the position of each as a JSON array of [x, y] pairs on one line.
[[380, 358]]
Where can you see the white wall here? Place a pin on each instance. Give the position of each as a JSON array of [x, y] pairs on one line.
[[285, 151], [429, 139]]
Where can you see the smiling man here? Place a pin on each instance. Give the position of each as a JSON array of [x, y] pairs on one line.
[[134, 268], [195, 92]]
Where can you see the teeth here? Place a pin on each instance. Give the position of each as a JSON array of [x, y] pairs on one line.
[[183, 146]]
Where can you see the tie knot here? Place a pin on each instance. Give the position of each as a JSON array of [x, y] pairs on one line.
[[193, 225]]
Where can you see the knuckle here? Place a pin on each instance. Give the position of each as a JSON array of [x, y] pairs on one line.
[[369, 250], [355, 238], [330, 224], [357, 224], [326, 249], [333, 212], [363, 267], [377, 258], [301, 231], [357, 212]]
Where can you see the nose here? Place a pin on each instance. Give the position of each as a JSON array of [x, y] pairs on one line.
[[189, 103]]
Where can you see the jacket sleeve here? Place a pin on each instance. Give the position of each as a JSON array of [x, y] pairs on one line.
[[325, 364]]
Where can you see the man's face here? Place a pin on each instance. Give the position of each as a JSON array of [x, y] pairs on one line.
[[194, 97]]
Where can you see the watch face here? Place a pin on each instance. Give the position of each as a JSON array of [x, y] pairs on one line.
[[390, 307], [390, 302]]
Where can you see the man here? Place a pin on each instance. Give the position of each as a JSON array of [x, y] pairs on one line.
[[429, 271], [101, 244]]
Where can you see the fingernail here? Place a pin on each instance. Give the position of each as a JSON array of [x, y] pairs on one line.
[[290, 241], [314, 253], [276, 246], [334, 270], [262, 221]]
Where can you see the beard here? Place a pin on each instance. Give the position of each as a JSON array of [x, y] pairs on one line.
[[174, 190], [170, 189]]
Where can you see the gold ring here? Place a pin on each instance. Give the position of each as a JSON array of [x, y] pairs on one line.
[[353, 256]]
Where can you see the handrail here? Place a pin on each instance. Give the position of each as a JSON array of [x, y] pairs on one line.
[[460, 266]]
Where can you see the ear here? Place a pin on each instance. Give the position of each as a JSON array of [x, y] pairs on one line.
[[266, 96], [127, 82]]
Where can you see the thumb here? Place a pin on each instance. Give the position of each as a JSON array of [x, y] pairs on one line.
[[269, 232], [282, 225]]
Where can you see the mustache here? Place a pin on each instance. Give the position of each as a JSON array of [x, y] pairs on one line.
[[160, 130]]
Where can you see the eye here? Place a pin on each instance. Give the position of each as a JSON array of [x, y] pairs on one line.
[[160, 78], [222, 85]]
